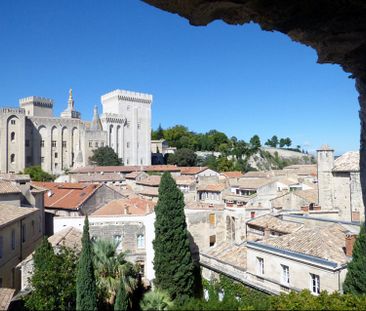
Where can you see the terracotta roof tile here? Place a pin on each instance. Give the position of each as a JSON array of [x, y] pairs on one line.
[[192, 170], [323, 242], [184, 180], [211, 187], [6, 295], [150, 191], [152, 181], [9, 213], [127, 169], [69, 237], [133, 206], [8, 187], [275, 223], [66, 195], [348, 162], [234, 174]]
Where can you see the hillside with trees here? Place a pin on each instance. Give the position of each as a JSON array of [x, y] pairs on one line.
[[233, 153]]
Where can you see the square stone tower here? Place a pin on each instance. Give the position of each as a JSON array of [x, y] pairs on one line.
[[325, 162], [127, 119]]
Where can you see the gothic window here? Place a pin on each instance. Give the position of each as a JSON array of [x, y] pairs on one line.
[[12, 136], [42, 143], [139, 125], [42, 159], [96, 144], [63, 144], [12, 122], [128, 144], [54, 143], [12, 158], [90, 143]]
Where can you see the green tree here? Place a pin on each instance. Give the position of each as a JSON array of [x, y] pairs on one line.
[[183, 157], [282, 142], [156, 300], [110, 269], [53, 279], [355, 281], [224, 164], [255, 142], [122, 298], [173, 263], [288, 142], [105, 156], [37, 174], [86, 294], [273, 142]]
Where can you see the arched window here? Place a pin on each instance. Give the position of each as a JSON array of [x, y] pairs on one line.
[[12, 158], [12, 136]]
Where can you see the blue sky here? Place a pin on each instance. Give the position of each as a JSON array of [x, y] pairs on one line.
[[237, 79]]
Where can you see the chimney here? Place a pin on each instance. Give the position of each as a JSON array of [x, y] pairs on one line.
[[267, 232], [350, 241]]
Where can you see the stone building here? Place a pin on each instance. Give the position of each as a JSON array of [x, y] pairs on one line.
[[31, 135], [339, 184]]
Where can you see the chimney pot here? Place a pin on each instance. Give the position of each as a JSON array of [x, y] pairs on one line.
[[350, 241]]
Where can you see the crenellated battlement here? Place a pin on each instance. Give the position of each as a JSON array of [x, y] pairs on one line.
[[124, 95]]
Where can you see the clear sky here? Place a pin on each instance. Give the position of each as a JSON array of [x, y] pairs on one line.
[[236, 79]]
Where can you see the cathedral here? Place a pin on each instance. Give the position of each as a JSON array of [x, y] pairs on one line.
[[31, 135]]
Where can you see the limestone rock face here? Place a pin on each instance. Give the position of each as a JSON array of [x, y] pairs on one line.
[[336, 29]]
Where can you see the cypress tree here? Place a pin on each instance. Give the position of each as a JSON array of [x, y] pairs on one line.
[[121, 303], [173, 263], [355, 282], [85, 280]]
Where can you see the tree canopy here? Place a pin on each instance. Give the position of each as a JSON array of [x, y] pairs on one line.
[[37, 174], [173, 262], [105, 156], [183, 157]]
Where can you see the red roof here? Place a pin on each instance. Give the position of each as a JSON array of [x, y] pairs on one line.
[[133, 206], [192, 170], [66, 195], [233, 174]]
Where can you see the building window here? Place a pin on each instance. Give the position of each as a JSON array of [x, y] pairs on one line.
[[39, 224], [12, 122], [33, 227], [212, 219], [56, 155], [12, 158], [90, 143], [12, 136], [42, 143], [23, 232], [140, 241], [13, 239], [63, 144], [1, 246], [141, 161], [102, 144], [117, 238], [252, 214], [96, 144], [128, 144], [42, 159], [260, 266], [212, 240], [53, 143], [127, 161], [315, 283], [1, 282], [285, 279], [56, 165], [139, 125], [27, 142]]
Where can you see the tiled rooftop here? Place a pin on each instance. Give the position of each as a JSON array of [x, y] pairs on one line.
[[152, 181], [192, 170], [184, 180], [69, 237], [275, 224], [229, 253], [211, 187], [97, 177], [348, 162], [133, 206], [66, 195], [233, 174], [323, 242], [310, 195], [8, 187], [9, 213], [251, 183], [6, 295], [149, 191]]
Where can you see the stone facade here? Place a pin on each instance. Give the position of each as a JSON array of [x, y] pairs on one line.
[[31, 135]]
